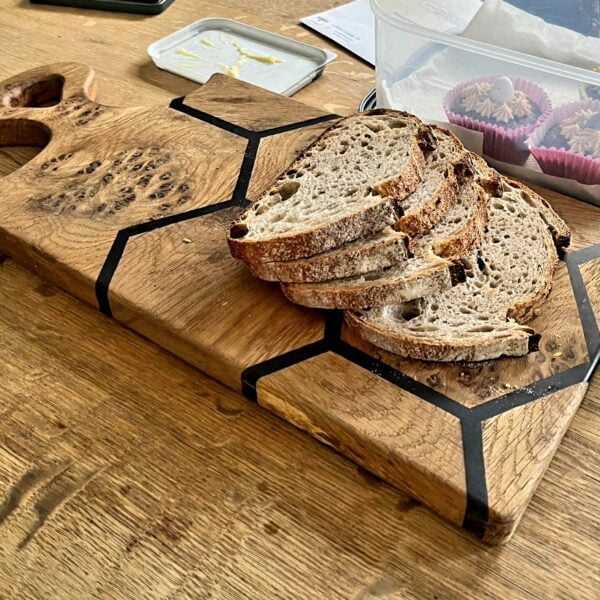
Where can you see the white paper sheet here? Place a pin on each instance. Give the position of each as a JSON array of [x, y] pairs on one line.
[[350, 25]]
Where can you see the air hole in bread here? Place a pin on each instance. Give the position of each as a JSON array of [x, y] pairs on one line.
[[410, 310], [259, 209], [498, 205], [374, 126], [237, 231], [397, 124], [481, 329], [288, 189]]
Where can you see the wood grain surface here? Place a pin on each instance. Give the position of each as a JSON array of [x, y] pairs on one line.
[[132, 204], [376, 543], [376, 425]]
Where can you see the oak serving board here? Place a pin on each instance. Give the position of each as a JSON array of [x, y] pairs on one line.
[[127, 209]]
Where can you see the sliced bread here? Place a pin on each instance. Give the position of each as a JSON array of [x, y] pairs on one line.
[[375, 252], [426, 206], [461, 229], [345, 186], [508, 278], [415, 278], [435, 196]]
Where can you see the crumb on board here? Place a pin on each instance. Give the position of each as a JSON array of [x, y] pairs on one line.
[[187, 241]]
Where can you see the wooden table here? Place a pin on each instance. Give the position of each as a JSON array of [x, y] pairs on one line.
[[125, 473]]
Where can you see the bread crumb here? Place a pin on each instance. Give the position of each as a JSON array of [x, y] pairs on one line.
[[187, 241]]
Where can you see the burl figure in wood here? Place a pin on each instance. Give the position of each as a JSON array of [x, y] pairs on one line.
[[127, 209]]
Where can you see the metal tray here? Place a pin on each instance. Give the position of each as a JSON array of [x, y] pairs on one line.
[[216, 45]]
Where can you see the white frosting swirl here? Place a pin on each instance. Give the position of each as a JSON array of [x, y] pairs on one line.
[[503, 113], [486, 107], [592, 141], [520, 105], [471, 101], [581, 134]]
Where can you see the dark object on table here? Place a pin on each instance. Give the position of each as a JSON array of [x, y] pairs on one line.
[[145, 7], [582, 16]]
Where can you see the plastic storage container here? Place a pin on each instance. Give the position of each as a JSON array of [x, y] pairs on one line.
[[530, 116]]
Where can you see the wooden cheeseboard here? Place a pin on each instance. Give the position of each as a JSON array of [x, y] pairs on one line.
[[127, 209]]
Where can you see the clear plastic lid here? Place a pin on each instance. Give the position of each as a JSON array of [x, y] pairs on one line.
[[556, 31]]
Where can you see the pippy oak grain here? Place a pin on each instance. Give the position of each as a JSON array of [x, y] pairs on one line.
[[376, 541], [104, 169]]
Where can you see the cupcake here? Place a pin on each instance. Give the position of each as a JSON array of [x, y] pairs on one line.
[[567, 144], [505, 110], [589, 91]]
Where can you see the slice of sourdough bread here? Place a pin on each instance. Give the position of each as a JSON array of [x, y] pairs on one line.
[[345, 186], [426, 206], [461, 229], [435, 196], [378, 251], [508, 278], [415, 278]]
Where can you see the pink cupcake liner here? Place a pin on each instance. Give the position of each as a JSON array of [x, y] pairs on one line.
[[507, 145], [558, 161]]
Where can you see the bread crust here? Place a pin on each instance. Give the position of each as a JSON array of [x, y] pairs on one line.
[[347, 261], [516, 344], [440, 275], [470, 235], [435, 209], [345, 229]]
